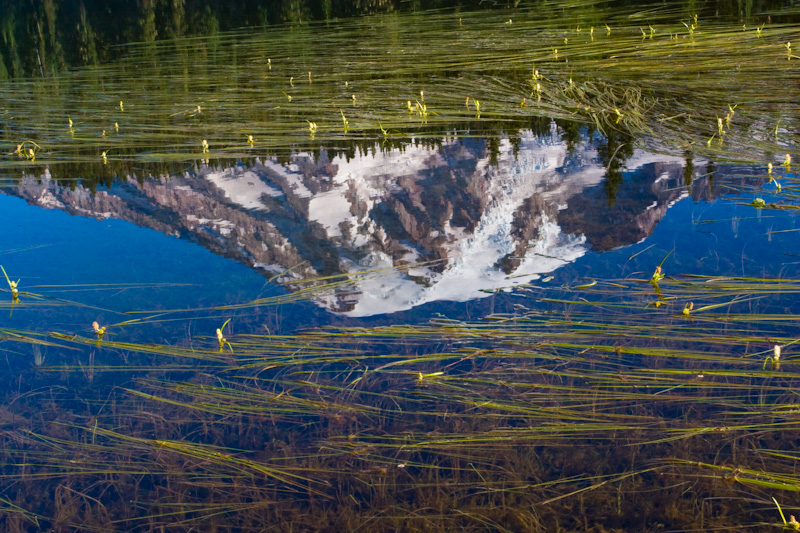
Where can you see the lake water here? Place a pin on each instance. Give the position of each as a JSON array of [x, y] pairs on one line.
[[420, 229], [318, 276]]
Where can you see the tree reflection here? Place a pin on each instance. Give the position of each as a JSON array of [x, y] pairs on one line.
[[614, 150], [38, 37]]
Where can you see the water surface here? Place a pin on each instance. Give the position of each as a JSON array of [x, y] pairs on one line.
[[318, 276]]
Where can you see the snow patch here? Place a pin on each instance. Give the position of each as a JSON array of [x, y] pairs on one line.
[[243, 188]]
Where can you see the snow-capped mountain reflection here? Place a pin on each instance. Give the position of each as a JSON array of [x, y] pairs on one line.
[[460, 218]]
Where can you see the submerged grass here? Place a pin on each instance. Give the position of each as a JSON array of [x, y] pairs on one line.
[[512, 420]]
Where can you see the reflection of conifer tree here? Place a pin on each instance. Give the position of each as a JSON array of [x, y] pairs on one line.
[[147, 20], [540, 126], [9, 40], [570, 134], [209, 22], [710, 169], [688, 170], [614, 150], [177, 28], [57, 61], [295, 11], [327, 9], [515, 144], [41, 51], [493, 145], [261, 16], [87, 48]]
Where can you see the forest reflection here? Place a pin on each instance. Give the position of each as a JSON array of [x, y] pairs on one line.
[[44, 37]]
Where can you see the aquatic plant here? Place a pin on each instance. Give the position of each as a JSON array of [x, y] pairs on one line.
[[99, 331], [12, 285], [221, 338], [327, 411]]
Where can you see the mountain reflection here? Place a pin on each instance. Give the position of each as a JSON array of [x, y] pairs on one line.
[[459, 220]]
